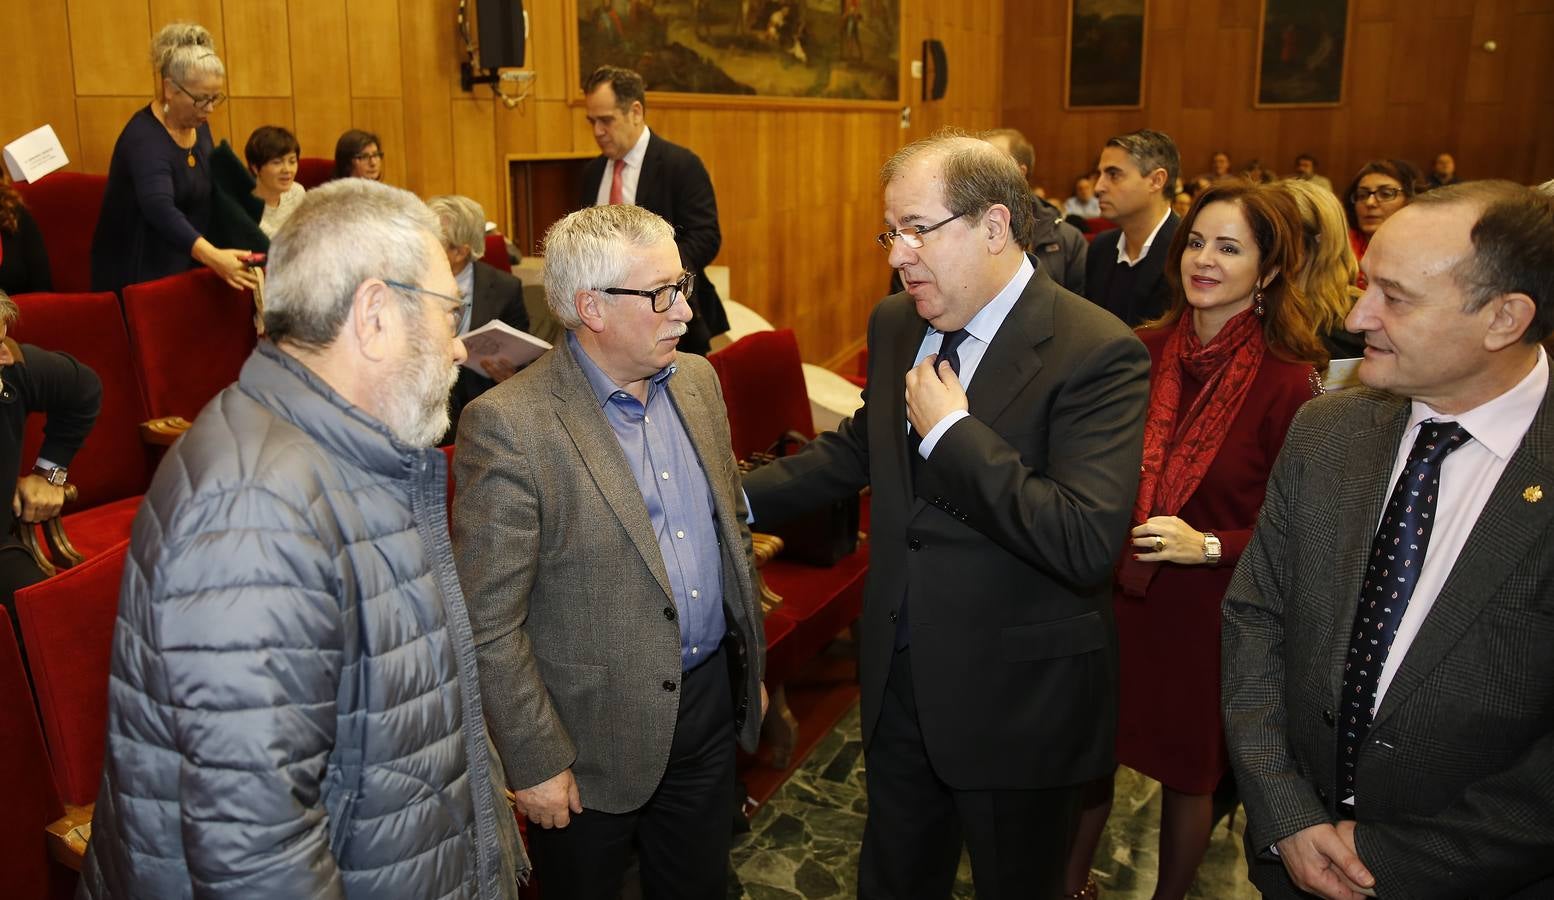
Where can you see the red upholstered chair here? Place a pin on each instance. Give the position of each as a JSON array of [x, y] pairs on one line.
[[496, 252], [190, 334], [31, 802], [65, 205], [1098, 225], [313, 171]]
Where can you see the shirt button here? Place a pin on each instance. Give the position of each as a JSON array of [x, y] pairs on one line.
[[669, 686], [680, 535], [664, 475], [695, 594], [648, 420], [669, 613], [695, 650]]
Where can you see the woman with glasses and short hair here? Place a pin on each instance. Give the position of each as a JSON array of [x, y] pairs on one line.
[[157, 205], [359, 154], [1382, 187]]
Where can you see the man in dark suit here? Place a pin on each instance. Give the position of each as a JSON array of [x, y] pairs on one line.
[[643, 168], [1125, 272], [601, 538], [490, 293], [988, 653], [1388, 686]]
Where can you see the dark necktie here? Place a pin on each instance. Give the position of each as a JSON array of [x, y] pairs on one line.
[[949, 349], [1397, 554]]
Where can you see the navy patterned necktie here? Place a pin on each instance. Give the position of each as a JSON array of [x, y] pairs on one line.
[[1397, 554], [949, 349]]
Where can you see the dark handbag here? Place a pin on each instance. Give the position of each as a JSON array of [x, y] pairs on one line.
[[822, 537]]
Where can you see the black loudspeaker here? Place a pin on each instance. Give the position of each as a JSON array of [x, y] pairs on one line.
[[936, 70], [501, 33]]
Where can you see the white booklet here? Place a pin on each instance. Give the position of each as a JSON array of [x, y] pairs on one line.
[[1342, 373], [35, 154], [497, 348]]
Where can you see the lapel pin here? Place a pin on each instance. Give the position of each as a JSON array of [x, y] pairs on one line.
[[1533, 493]]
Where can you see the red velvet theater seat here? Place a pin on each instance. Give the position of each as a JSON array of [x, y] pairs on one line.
[[190, 334], [65, 205], [313, 171], [30, 799], [67, 625], [496, 252]]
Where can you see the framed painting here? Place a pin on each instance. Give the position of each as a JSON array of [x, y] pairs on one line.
[[1302, 46], [748, 52], [1105, 65]]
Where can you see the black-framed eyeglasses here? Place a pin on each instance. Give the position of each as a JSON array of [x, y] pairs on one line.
[[1382, 194], [206, 102], [455, 315], [368, 157], [663, 297], [912, 235]]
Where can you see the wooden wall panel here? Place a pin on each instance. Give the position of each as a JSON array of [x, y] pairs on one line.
[[44, 55], [372, 33], [110, 46], [258, 54], [384, 117], [320, 73], [248, 113], [100, 120], [475, 166], [428, 51]]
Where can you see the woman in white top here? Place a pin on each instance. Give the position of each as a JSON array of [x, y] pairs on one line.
[[272, 153]]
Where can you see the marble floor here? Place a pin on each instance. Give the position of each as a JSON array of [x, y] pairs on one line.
[[804, 842]]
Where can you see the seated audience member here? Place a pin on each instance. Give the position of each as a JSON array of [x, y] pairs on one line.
[[294, 708], [1387, 691], [1084, 203], [1232, 360], [24, 261], [1125, 273], [1181, 204], [1058, 247], [1382, 187], [158, 201], [272, 153], [1306, 170], [1444, 171], [1327, 274], [69, 395], [1255, 172], [1219, 166], [358, 155], [488, 293]]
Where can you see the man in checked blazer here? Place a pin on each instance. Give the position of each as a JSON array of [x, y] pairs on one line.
[[1452, 767], [600, 535]]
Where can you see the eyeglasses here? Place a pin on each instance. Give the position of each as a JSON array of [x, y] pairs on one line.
[[663, 297], [455, 315], [202, 101], [368, 157], [912, 235], [1382, 194]]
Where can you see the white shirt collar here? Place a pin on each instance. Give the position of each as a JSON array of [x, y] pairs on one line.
[[466, 280], [634, 156], [1501, 423], [1122, 242], [985, 323]]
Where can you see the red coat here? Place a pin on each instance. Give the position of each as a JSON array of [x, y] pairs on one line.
[[1169, 725]]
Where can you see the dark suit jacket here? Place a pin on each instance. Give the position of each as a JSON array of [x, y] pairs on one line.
[[497, 295], [1151, 292], [1005, 542], [566, 584], [1456, 780], [675, 185]]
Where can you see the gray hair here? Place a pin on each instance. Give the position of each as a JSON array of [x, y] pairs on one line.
[[462, 222], [1150, 150], [1546, 188], [584, 251], [976, 176], [9, 312], [342, 234], [183, 50]]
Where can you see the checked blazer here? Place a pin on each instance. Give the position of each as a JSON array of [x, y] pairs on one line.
[[1456, 778]]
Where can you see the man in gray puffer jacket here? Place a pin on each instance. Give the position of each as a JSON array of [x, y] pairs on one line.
[[294, 709]]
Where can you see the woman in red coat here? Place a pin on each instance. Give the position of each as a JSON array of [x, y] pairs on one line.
[[1232, 360]]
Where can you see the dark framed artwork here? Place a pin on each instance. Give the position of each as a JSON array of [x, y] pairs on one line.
[[748, 52], [1302, 46], [1105, 66]]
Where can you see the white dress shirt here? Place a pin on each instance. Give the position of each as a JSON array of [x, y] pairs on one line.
[[1122, 242], [629, 175]]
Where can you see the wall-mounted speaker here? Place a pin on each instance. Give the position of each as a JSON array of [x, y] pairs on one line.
[[936, 70], [501, 28]]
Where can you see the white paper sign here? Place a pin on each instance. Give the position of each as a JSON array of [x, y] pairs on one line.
[[35, 154]]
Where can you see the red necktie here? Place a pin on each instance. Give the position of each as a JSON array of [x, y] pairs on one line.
[[617, 189]]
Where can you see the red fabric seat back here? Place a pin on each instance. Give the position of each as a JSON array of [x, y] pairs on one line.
[[496, 252], [190, 333], [66, 206], [313, 171], [1098, 225], [67, 625], [763, 387], [30, 799], [114, 463]]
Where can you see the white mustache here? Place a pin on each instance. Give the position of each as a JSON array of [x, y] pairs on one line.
[[678, 330]]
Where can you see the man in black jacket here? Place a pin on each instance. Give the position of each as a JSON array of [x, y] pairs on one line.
[[644, 169], [1126, 269]]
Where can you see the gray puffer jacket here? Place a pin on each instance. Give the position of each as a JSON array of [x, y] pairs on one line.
[[294, 709]]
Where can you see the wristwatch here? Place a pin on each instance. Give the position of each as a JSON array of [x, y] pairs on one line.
[[1212, 550], [54, 475]]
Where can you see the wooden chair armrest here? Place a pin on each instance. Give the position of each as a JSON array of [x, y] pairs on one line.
[[164, 431], [763, 548], [62, 554], [69, 834]]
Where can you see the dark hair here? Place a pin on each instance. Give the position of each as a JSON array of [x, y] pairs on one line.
[[350, 144], [1513, 246], [1396, 169], [626, 84], [1289, 322], [10, 202], [1306, 156], [269, 142], [1150, 150], [975, 176]]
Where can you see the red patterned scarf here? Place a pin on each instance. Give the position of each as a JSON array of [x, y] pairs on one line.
[[1178, 447]]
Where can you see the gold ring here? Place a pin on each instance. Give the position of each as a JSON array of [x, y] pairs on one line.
[[1159, 544]]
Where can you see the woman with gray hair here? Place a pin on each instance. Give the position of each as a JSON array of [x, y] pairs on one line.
[[157, 205]]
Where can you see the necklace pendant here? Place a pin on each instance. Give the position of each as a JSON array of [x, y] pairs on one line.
[[191, 159]]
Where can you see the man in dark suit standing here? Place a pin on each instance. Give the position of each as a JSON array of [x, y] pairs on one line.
[[489, 292], [643, 168], [1125, 272], [1388, 686], [1001, 433]]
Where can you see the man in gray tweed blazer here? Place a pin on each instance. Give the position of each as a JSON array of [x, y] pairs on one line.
[[1404, 747], [600, 535]]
